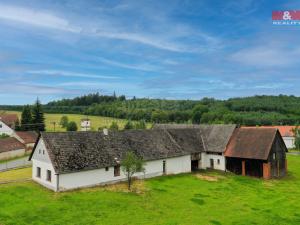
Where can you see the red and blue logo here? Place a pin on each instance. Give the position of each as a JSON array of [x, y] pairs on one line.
[[287, 17]]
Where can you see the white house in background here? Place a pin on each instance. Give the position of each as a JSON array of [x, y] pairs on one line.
[[70, 160], [287, 133], [7, 123], [85, 124], [10, 148]]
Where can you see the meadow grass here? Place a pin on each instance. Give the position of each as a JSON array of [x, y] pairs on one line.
[[179, 199], [96, 121], [17, 174]]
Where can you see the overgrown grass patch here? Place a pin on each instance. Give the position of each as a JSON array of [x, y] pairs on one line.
[[178, 199]]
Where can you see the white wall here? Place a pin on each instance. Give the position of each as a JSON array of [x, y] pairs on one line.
[[41, 159], [100, 176], [12, 154], [4, 129], [85, 125], [289, 142], [205, 161]]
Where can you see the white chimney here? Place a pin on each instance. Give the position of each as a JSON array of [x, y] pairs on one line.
[[105, 131]]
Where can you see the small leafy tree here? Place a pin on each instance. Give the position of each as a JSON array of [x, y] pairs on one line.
[[132, 164], [296, 132], [64, 120], [128, 125], [72, 126], [114, 126]]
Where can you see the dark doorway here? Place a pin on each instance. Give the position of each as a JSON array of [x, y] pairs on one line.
[[253, 167], [195, 165], [164, 167], [212, 166]]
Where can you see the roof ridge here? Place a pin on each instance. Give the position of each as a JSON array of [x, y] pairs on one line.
[[172, 139], [202, 139]]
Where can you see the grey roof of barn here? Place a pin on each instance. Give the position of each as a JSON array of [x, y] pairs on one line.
[[78, 151], [214, 137]]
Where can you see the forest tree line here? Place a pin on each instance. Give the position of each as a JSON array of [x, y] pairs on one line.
[[256, 110]]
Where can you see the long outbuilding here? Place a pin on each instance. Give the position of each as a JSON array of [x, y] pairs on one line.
[[70, 160]]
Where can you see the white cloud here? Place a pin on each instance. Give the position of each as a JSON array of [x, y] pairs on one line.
[[143, 39], [35, 18], [69, 74], [270, 55], [31, 89], [107, 87], [142, 67], [168, 37]]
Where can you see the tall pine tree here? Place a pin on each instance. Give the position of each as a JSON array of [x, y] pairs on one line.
[[38, 119], [26, 119]]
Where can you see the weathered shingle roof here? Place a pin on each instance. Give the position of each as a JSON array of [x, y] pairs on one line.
[[216, 137], [10, 144], [213, 137], [77, 151], [251, 143]]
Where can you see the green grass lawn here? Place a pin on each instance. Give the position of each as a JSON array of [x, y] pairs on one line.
[[180, 199], [96, 121]]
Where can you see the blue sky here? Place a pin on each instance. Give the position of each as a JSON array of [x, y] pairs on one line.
[[55, 49]]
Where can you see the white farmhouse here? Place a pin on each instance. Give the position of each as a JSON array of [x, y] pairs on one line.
[[70, 160], [214, 139], [85, 124], [7, 123]]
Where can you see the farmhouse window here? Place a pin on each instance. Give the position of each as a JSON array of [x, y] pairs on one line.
[[106, 168], [43, 152], [40, 151], [0, 125], [218, 161], [164, 167], [117, 170], [48, 175], [38, 172]]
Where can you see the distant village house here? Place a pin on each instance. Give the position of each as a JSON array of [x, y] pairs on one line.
[[287, 133], [85, 124], [10, 148], [7, 123], [18, 142]]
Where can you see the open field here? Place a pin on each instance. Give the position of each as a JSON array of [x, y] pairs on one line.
[[16, 174], [96, 121], [202, 198]]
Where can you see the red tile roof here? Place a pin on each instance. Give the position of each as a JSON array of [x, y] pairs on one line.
[[27, 136], [10, 144], [285, 131], [9, 119]]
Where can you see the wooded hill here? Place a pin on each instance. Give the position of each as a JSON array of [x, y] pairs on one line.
[[256, 110]]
